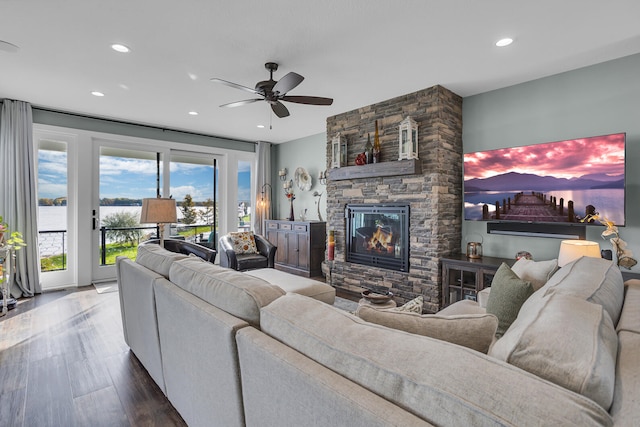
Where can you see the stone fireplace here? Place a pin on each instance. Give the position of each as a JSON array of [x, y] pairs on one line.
[[430, 187]]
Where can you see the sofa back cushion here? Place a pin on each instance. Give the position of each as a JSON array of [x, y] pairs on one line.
[[442, 383], [234, 292], [536, 272], [566, 340], [475, 331], [157, 258], [595, 280]]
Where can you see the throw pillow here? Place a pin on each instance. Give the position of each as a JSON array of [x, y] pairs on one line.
[[413, 306], [243, 242], [475, 331], [536, 272], [508, 293]]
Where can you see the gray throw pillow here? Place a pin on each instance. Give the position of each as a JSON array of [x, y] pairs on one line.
[[508, 293]]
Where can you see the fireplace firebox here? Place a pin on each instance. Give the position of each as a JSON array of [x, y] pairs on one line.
[[378, 235]]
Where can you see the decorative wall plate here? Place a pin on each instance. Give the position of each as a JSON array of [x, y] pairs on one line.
[[303, 179]]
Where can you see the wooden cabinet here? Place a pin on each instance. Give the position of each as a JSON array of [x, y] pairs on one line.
[[463, 278], [301, 245]]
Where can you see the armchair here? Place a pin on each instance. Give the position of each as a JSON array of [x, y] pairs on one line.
[[229, 258]]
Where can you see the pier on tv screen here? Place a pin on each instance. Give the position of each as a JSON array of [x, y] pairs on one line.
[[562, 181]]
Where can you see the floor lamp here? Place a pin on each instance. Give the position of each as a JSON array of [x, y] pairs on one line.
[[159, 211]]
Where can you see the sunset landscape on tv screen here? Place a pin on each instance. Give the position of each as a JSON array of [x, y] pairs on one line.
[[559, 181]]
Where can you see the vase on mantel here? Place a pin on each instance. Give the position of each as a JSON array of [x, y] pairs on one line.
[[377, 149]]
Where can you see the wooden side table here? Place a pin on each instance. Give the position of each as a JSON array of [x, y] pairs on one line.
[[463, 278]]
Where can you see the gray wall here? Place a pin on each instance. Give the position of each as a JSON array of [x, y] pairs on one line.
[[591, 101], [309, 153], [596, 100]]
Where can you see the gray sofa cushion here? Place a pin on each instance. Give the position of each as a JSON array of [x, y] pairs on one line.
[[157, 259], [475, 331], [566, 340], [630, 314], [536, 272], [442, 383], [296, 284], [595, 280], [234, 292]]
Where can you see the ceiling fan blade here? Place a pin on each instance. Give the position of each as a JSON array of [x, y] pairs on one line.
[[279, 109], [234, 85], [312, 100], [287, 83], [239, 103]]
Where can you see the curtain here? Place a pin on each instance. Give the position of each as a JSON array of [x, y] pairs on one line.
[[263, 187], [18, 198]]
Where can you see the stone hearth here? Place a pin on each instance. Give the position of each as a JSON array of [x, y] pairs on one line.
[[434, 194]]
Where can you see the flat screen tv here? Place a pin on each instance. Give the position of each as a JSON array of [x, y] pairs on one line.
[[554, 182]]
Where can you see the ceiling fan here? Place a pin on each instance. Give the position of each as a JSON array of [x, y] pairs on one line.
[[275, 91]]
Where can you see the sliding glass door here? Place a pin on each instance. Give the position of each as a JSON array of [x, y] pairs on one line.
[[127, 174]]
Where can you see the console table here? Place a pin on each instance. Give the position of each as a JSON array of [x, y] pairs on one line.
[[463, 278], [301, 245]]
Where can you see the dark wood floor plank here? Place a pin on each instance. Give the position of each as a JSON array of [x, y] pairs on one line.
[[100, 408], [49, 400], [64, 362]]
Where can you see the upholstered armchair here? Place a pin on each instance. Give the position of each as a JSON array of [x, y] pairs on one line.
[[238, 253], [184, 247]]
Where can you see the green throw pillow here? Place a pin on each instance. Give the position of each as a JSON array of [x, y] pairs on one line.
[[508, 293]]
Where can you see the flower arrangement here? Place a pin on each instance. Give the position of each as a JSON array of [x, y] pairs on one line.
[[15, 238], [288, 190], [623, 254]]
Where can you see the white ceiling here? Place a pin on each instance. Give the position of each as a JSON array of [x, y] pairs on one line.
[[358, 52]]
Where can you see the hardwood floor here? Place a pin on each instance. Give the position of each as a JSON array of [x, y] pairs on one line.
[[64, 362]]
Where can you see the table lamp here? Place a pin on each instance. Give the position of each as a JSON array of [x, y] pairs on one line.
[[158, 211], [571, 250]]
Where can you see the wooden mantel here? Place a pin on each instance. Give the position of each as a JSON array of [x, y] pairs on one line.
[[373, 170]]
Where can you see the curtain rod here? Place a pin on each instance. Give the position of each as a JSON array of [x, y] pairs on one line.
[[85, 116]]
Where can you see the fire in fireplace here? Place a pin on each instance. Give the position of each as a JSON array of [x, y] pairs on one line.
[[378, 235]]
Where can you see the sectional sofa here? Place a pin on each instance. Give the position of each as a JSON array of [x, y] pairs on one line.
[[234, 349]]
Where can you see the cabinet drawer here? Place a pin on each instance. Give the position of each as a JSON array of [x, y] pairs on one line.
[[272, 226], [285, 226], [300, 227]]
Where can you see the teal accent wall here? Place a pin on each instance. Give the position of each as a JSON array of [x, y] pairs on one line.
[[595, 100], [591, 101], [309, 153]]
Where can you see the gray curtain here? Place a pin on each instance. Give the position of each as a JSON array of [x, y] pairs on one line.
[[263, 185], [18, 198]]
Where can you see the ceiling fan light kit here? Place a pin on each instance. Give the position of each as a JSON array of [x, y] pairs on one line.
[[274, 92]]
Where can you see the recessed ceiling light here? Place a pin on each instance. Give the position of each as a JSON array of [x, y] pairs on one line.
[[96, 93], [504, 42], [193, 113], [120, 48], [261, 126]]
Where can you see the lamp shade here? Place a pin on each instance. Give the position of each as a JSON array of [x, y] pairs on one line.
[[571, 250], [158, 211]]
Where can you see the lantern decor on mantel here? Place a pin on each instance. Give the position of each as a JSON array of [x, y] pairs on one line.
[[408, 142], [338, 151]]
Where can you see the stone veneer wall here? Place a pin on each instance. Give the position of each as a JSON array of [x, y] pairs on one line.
[[435, 196]]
